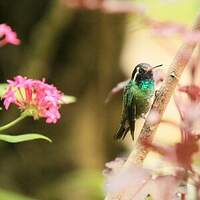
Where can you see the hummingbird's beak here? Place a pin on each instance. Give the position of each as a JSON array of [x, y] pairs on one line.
[[152, 68]]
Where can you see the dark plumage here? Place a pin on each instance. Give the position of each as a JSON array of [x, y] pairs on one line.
[[136, 98]]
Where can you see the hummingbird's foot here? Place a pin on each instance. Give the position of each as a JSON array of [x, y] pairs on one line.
[[157, 93]]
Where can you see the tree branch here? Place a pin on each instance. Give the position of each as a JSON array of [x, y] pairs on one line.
[[160, 103], [163, 97]]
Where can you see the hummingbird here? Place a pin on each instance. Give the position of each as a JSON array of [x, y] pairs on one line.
[[137, 98]]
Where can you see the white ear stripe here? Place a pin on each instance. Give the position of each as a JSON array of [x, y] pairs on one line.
[[137, 72]]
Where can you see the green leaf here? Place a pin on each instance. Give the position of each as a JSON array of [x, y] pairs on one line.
[[66, 99], [9, 195], [3, 88], [23, 138]]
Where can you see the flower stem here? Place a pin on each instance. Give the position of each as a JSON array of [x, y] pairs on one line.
[[10, 124]]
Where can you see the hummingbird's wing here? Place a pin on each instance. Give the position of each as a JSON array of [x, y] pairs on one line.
[[131, 114], [124, 127], [128, 115]]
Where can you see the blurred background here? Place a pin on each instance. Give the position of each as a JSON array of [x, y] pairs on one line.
[[84, 47]]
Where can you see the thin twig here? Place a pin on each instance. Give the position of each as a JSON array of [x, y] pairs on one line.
[[160, 103]]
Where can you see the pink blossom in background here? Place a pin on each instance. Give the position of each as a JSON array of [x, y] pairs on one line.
[[153, 117], [166, 28], [83, 4], [111, 6], [34, 97], [114, 166], [169, 28], [192, 36], [193, 91], [136, 182], [180, 154], [8, 36], [118, 88], [115, 6], [130, 181]]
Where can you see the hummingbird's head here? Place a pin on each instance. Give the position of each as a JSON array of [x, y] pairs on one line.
[[143, 71]]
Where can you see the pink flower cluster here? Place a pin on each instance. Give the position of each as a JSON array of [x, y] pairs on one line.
[[34, 97], [8, 36]]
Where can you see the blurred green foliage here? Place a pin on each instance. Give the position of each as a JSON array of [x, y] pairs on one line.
[[183, 11], [85, 184], [8, 195]]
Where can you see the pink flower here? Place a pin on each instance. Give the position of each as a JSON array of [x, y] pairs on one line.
[[166, 28], [153, 117], [111, 6], [7, 36], [193, 91], [114, 166], [36, 98], [182, 153], [118, 88], [192, 36], [114, 6], [129, 180], [136, 182]]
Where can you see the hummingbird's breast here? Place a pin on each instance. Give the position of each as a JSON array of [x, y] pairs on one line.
[[147, 86], [142, 95]]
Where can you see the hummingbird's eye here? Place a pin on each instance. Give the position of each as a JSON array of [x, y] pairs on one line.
[[141, 70]]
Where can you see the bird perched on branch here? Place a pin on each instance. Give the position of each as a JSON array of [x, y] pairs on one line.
[[136, 98]]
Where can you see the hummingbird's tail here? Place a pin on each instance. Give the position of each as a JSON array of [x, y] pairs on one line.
[[121, 133]]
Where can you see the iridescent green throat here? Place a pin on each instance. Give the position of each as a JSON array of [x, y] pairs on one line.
[[147, 85]]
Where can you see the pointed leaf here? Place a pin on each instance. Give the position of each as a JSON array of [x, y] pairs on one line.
[[23, 137], [3, 88], [66, 99]]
